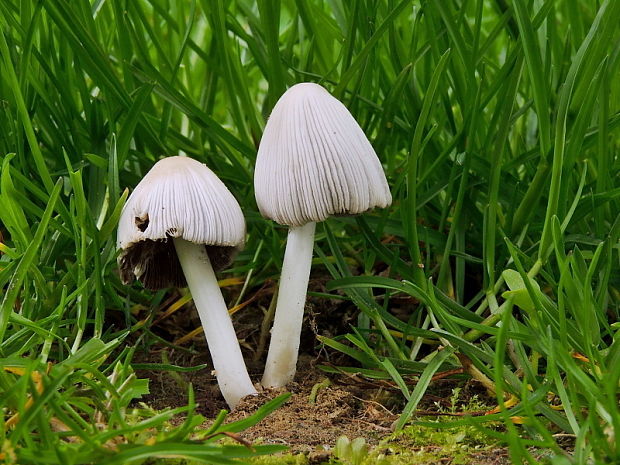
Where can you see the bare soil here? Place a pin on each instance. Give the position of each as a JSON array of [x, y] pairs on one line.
[[312, 423], [347, 406], [305, 423], [350, 406]]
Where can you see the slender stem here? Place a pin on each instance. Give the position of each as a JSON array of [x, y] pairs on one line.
[[232, 375], [284, 346]]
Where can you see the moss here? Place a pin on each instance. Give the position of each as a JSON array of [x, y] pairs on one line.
[[285, 459], [288, 459], [417, 444], [422, 444]]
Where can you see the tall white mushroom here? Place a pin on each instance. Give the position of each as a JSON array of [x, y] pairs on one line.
[[179, 224], [313, 161]]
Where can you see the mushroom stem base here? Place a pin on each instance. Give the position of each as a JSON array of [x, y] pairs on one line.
[[284, 346], [232, 375]]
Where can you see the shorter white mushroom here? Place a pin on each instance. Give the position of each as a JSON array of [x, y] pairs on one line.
[[180, 223], [313, 161]]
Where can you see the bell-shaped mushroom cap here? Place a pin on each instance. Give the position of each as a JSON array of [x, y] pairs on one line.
[[314, 161], [178, 198]]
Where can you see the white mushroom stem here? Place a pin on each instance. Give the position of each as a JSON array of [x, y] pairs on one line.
[[284, 345], [232, 375]]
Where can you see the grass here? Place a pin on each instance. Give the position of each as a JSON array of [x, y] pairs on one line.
[[497, 123]]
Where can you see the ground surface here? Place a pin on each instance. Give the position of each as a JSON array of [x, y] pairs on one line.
[[310, 423], [345, 407]]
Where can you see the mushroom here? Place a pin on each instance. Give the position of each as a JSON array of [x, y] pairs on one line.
[[179, 224], [313, 161]]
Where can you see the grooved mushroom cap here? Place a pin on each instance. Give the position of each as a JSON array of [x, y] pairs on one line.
[[178, 198], [314, 161]]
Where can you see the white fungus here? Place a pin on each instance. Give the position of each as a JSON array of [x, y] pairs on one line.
[[179, 223], [313, 161]]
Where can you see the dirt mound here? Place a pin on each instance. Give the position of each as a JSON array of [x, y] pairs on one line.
[[317, 413]]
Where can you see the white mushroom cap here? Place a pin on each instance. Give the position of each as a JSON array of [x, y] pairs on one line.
[[178, 198], [314, 161]]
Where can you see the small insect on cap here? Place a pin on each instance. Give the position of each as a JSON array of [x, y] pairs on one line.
[[178, 198], [314, 161]]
